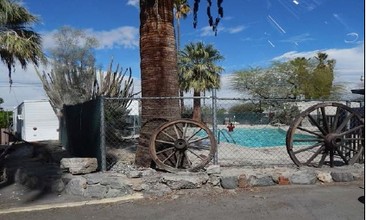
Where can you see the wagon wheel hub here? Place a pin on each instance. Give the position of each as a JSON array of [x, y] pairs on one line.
[[333, 141], [180, 144]]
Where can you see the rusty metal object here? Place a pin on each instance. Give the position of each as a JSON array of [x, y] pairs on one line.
[[326, 134], [182, 145]]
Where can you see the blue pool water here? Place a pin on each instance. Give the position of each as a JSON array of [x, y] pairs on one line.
[[258, 137]]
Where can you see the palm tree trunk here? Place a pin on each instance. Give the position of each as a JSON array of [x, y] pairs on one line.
[[159, 74], [196, 106], [181, 92]]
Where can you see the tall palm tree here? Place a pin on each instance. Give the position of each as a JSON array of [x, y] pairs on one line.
[[181, 10], [158, 71], [198, 64], [18, 42]]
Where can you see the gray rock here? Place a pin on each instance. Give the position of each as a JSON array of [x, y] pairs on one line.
[[112, 193], [184, 180], [158, 189], [214, 180], [96, 191], [116, 182], [303, 178], [148, 172], [229, 182], [57, 186], [213, 169], [94, 178], [76, 186], [79, 165], [261, 181], [342, 176], [134, 174]]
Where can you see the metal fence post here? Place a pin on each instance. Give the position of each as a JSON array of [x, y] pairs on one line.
[[214, 122], [102, 136]]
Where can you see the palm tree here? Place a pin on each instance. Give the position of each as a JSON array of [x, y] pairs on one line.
[[158, 71], [181, 10], [18, 42], [198, 64]]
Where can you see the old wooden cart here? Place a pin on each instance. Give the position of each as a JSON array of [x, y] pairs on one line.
[[324, 134]]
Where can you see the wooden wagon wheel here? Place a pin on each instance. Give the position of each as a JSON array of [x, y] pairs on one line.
[[182, 145], [326, 133]]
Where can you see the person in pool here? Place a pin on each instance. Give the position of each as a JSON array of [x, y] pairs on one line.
[[230, 127]]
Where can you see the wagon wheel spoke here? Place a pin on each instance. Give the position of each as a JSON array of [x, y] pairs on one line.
[[317, 125], [185, 129], [165, 150], [194, 153], [352, 130], [189, 145], [177, 131], [349, 148], [165, 142], [310, 132], [325, 120], [169, 157], [197, 140], [179, 158], [340, 153], [189, 162], [314, 155], [168, 135], [344, 123], [307, 140], [308, 148], [336, 118], [321, 162], [194, 134]]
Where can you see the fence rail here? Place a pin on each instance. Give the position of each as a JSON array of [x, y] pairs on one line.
[[259, 137]]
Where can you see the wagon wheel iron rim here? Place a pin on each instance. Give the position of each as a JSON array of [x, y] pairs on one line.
[[326, 133], [182, 145]]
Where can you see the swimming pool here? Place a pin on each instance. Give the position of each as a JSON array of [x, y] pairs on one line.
[[258, 137]]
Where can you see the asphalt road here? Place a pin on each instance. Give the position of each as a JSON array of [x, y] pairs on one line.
[[337, 201]]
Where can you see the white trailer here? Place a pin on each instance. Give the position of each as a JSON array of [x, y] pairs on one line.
[[35, 120]]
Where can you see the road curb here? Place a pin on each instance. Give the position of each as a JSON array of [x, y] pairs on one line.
[[134, 196]]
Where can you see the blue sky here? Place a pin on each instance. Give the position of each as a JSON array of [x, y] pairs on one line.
[[252, 33]]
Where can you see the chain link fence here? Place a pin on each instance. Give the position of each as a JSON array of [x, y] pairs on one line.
[[248, 132]]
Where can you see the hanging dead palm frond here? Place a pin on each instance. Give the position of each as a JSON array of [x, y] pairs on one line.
[[211, 22]]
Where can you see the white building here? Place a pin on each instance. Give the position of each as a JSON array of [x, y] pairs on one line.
[[35, 120]]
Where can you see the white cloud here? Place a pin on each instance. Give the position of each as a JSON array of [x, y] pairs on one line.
[[207, 30], [134, 3], [126, 37], [298, 38], [236, 29]]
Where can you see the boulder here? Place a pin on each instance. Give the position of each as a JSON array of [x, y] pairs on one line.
[[79, 165]]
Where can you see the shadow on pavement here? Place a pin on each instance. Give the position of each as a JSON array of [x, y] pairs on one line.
[[31, 171]]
